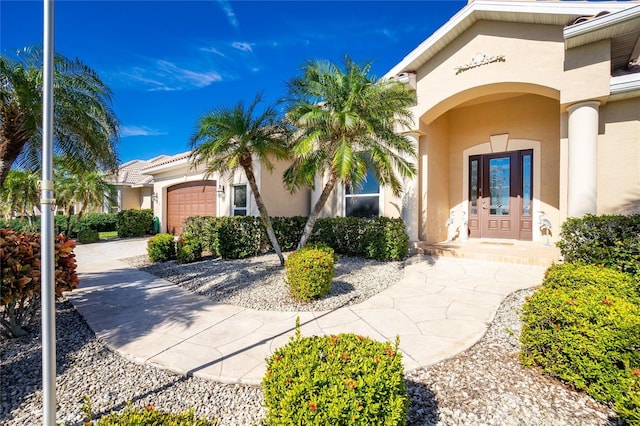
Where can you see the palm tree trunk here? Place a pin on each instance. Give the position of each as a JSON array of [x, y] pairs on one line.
[[313, 216], [264, 214]]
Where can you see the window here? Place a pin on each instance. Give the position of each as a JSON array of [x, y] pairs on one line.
[[240, 200], [365, 200]]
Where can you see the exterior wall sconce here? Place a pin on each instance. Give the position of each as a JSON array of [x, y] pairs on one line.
[[220, 190], [154, 197]]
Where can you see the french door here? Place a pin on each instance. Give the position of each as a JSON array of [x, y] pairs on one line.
[[501, 195]]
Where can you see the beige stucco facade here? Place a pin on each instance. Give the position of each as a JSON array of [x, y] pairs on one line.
[[502, 78], [178, 170]]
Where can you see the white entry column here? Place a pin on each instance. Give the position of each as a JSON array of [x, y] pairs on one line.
[[583, 159], [410, 194]]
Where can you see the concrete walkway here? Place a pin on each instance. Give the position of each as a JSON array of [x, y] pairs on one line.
[[441, 307]]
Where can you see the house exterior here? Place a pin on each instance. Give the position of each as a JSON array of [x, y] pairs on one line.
[[527, 113], [134, 190], [182, 191], [523, 107]]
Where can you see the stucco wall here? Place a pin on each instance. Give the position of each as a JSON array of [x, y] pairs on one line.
[[534, 62], [619, 157], [279, 201], [130, 198], [435, 180]]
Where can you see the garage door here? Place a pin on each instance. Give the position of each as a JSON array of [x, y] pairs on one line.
[[189, 199]]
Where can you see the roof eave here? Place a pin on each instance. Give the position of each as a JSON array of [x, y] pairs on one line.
[[608, 26], [550, 13], [165, 167], [625, 85]]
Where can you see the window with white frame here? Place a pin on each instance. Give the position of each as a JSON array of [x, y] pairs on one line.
[[364, 200], [239, 200]]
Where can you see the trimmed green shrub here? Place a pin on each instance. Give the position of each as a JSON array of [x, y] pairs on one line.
[[335, 380], [147, 416], [161, 247], [188, 249], [310, 271], [608, 240], [576, 276], [20, 283], [380, 238], [88, 235], [240, 236], [134, 223], [288, 231], [205, 229], [587, 333], [101, 222], [385, 239]]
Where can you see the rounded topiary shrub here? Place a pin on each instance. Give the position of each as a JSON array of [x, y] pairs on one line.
[[161, 248], [335, 380], [587, 333], [309, 272], [188, 249]]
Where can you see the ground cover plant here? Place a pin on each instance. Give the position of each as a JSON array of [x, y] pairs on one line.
[[147, 416], [342, 379]]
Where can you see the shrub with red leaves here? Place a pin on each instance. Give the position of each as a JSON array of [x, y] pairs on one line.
[[21, 276]]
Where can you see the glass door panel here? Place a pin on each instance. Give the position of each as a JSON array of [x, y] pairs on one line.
[[499, 186]]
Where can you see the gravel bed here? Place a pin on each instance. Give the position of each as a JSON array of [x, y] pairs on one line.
[[485, 385], [259, 282]]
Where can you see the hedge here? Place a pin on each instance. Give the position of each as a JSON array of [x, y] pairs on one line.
[[608, 240], [380, 238], [134, 223]]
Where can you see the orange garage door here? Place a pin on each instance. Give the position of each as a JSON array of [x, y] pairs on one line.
[[189, 199]]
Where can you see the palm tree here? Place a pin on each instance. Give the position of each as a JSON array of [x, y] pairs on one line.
[[85, 128], [77, 192], [19, 193], [228, 139], [347, 124]]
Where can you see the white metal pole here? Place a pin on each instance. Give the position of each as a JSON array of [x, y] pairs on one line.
[[47, 234]]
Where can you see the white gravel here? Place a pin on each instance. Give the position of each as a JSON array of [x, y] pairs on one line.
[[259, 282], [484, 385]]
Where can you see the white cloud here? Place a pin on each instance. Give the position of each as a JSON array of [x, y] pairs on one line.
[[242, 46], [213, 50], [166, 76], [127, 131], [228, 11], [191, 78]]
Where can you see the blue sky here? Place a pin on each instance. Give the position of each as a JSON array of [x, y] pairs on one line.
[[169, 62]]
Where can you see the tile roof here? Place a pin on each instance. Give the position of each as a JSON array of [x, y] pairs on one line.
[[165, 159], [129, 173]]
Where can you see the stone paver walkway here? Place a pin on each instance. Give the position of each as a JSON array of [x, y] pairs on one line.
[[441, 307]]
